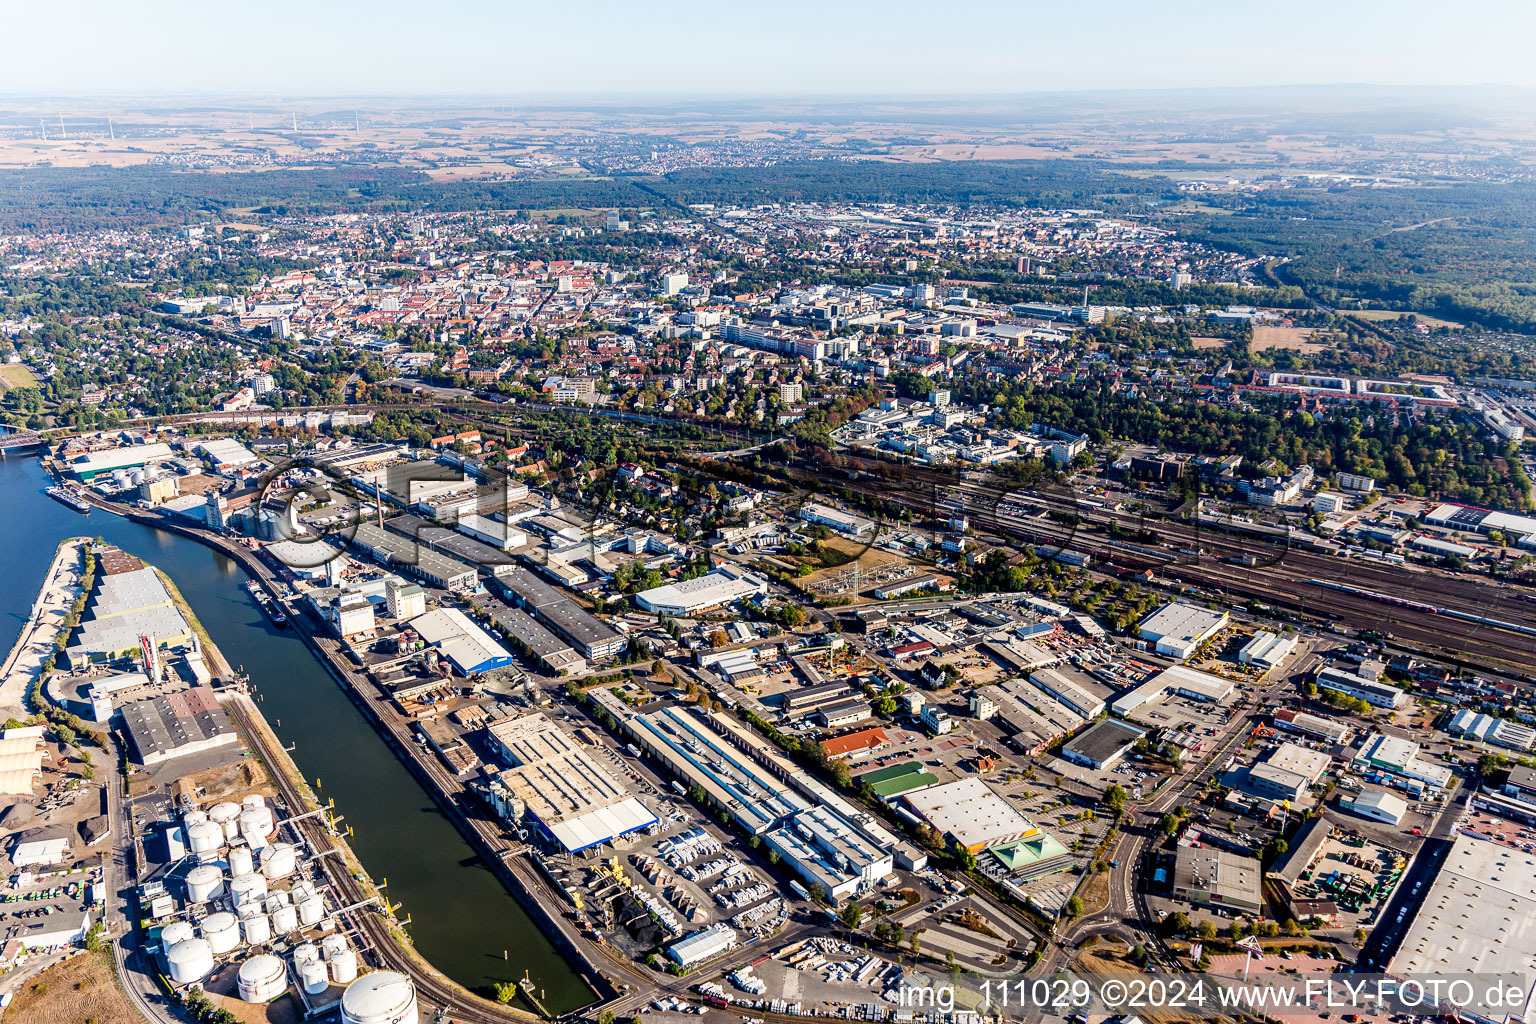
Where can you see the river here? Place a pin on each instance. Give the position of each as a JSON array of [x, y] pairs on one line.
[[463, 918]]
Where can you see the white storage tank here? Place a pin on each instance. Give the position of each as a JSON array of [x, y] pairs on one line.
[[257, 821], [257, 929], [305, 953], [383, 997], [189, 960], [285, 920], [222, 930], [205, 838], [204, 882], [194, 818], [241, 860], [252, 802], [176, 931], [227, 816], [262, 979], [312, 974], [278, 861], [248, 888], [343, 967], [331, 945], [311, 911]]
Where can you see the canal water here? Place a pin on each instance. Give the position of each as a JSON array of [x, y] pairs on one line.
[[463, 918]]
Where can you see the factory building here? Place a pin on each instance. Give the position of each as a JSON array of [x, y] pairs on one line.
[[124, 607], [590, 636], [1177, 630], [535, 641], [1209, 876], [702, 946], [1471, 725], [1475, 918], [1101, 745], [187, 721], [86, 468], [1179, 680], [570, 799], [1400, 757], [970, 814], [836, 519], [1266, 650], [1379, 805], [487, 558], [1069, 692], [413, 559], [725, 585], [819, 835], [468, 647]]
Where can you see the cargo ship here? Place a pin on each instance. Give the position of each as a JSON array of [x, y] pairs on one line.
[[65, 496], [266, 603]]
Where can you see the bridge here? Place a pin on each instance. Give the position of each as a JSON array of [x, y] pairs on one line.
[[20, 442]]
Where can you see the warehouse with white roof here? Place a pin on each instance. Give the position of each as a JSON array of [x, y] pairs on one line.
[[724, 585], [1177, 629], [462, 641], [1479, 916]]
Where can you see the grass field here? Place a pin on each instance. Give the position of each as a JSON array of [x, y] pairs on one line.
[[16, 375], [1377, 315], [78, 990]]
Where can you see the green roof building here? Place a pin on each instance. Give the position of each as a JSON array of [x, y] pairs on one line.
[[892, 781]]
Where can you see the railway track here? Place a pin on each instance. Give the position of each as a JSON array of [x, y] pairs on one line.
[[466, 1007]]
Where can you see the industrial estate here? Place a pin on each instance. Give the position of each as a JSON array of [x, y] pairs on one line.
[[798, 604]]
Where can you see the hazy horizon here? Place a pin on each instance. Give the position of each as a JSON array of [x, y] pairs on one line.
[[801, 50]]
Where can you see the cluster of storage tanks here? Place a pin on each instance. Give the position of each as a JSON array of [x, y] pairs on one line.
[[242, 835]]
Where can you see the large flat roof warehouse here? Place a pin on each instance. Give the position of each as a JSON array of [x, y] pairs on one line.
[[724, 585], [591, 636], [1178, 629], [1478, 916], [553, 652], [1178, 679], [844, 522], [449, 542], [577, 801], [462, 641], [126, 606], [88, 467], [225, 452], [185, 722], [1481, 520], [1101, 744], [971, 814]]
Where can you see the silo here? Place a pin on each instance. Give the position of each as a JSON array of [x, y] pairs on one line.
[[227, 816], [262, 979], [285, 920], [257, 929], [312, 974], [189, 960], [343, 967], [248, 888], [241, 860], [175, 843], [222, 930], [278, 861], [204, 882], [205, 838], [176, 931], [383, 997], [311, 911]]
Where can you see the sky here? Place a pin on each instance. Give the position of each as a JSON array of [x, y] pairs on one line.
[[788, 48]]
